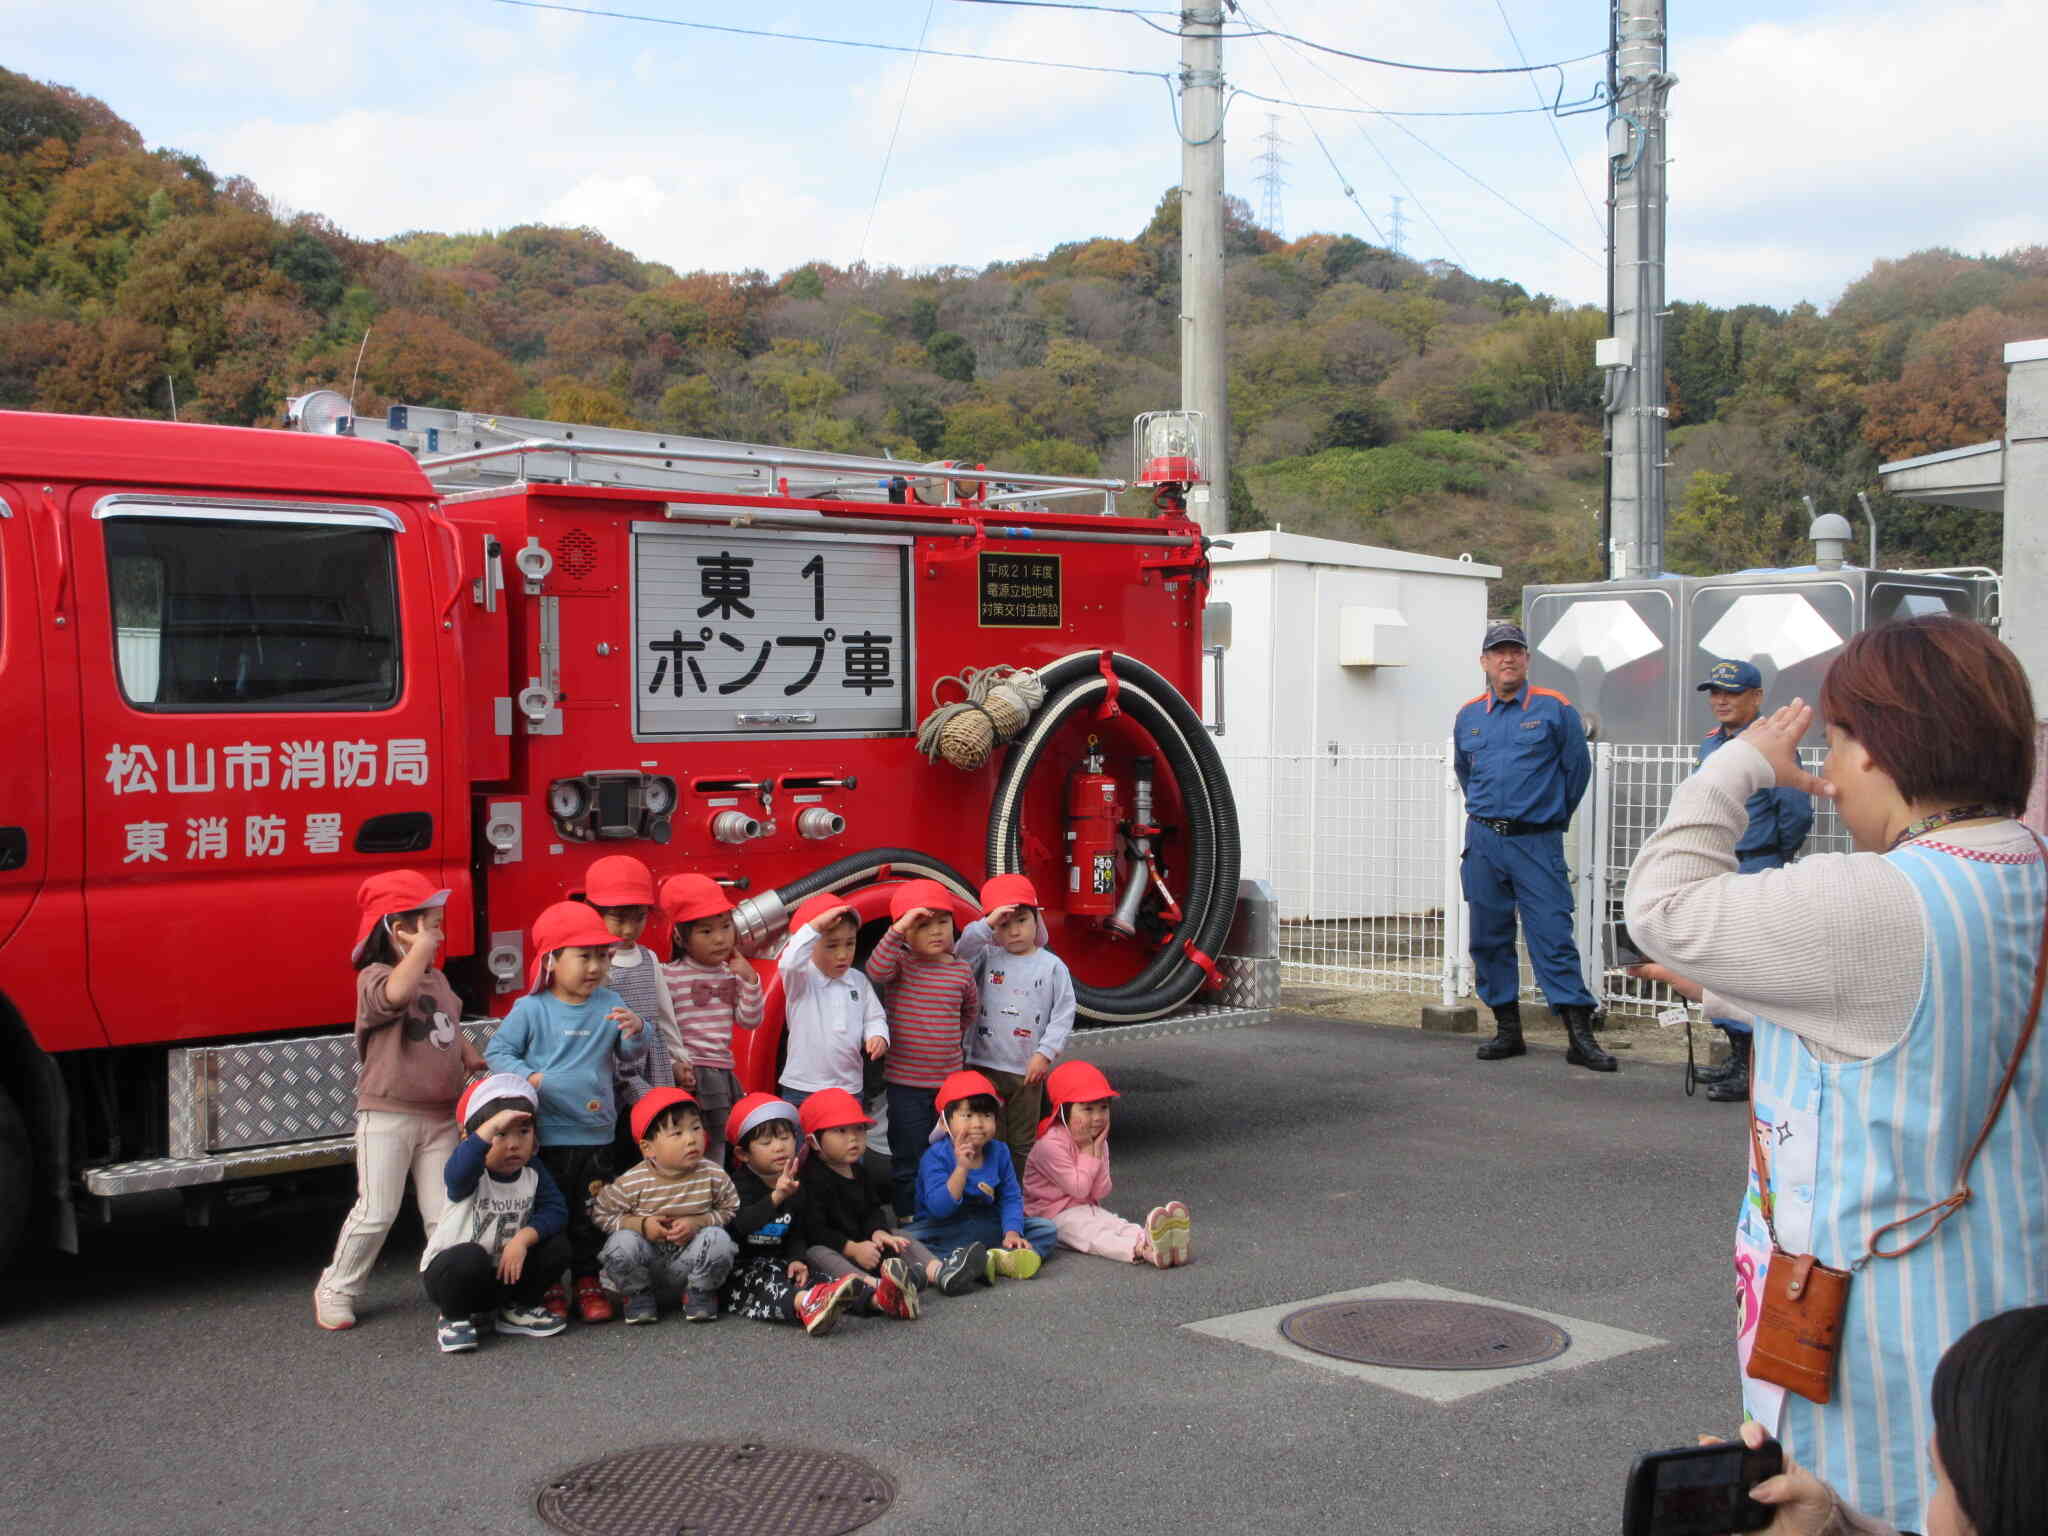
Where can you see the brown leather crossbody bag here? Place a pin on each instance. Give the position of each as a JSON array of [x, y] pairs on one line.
[[1799, 1325]]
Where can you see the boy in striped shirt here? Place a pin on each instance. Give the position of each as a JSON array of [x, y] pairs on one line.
[[666, 1215], [933, 1001]]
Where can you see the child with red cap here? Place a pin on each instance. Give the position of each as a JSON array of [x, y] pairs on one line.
[[771, 1282], [831, 1014], [566, 1037], [500, 1237], [621, 890], [967, 1190], [846, 1210], [1067, 1179], [1027, 1004], [932, 1003], [712, 989], [666, 1215], [414, 1060]]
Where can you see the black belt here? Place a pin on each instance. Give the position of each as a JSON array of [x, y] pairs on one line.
[[1507, 826]]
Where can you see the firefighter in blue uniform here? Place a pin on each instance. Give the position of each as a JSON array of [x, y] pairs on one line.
[[1522, 760], [1779, 820]]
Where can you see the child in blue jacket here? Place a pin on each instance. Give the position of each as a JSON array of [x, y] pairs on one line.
[[568, 1037], [967, 1189]]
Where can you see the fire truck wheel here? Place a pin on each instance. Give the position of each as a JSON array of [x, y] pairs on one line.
[[17, 1184]]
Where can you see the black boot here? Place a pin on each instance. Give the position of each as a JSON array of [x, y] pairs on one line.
[[1707, 1076], [1584, 1050], [1733, 1088], [1507, 1034]]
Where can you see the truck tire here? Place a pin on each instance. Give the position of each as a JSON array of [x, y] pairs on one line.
[[19, 1196]]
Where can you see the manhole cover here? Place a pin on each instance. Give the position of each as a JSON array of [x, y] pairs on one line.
[[1425, 1335], [717, 1490]]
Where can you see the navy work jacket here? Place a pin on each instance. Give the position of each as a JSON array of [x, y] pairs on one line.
[[1525, 759], [1779, 818]]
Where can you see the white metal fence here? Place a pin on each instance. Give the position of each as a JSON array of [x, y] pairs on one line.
[[1361, 847]]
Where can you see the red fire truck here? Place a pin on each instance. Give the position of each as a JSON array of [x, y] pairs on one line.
[[240, 669]]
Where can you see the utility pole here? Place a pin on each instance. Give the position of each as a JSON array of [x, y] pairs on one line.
[[1633, 354], [1395, 221], [1204, 376], [1270, 180]]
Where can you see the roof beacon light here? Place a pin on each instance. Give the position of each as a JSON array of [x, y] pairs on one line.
[[1166, 451], [324, 411]]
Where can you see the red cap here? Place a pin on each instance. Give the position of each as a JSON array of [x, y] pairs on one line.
[[831, 1109], [486, 1090], [689, 899], [565, 925], [387, 895], [1008, 891], [912, 894], [1074, 1082], [814, 907], [651, 1104], [757, 1109], [618, 880], [964, 1085]]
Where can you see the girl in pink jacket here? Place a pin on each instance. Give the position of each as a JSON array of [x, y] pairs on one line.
[[1067, 1177]]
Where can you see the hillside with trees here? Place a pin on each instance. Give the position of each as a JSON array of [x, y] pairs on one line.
[[1373, 397]]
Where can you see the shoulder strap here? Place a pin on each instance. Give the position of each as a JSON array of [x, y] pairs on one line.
[[1941, 1210]]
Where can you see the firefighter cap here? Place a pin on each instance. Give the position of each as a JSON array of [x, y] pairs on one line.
[[1731, 677], [486, 1091], [651, 1105], [931, 895], [1009, 891], [1073, 1082], [831, 1109], [387, 895], [618, 880], [565, 925], [1504, 633], [755, 1111]]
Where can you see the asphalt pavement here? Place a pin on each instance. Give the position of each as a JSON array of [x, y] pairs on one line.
[[171, 1380]]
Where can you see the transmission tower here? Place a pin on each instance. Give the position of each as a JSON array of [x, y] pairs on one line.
[[1269, 178], [1395, 222]]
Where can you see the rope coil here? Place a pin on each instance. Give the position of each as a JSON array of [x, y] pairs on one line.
[[998, 704]]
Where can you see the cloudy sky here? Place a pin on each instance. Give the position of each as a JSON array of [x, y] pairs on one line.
[[1808, 139]]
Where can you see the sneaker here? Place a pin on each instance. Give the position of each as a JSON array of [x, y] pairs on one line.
[[332, 1310], [700, 1306], [1179, 1228], [1158, 1237], [958, 1274], [643, 1309], [819, 1306], [894, 1295], [530, 1322], [556, 1300], [1012, 1264], [455, 1335], [591, 1303]]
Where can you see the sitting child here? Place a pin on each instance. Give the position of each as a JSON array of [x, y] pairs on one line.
[[1027, 1004], [771, 1283], [1067, 1178], [967, 1189], [500, 1242], [932, 1002], [830, 1011], [847, 1220], [666, 1215], [712, 988]]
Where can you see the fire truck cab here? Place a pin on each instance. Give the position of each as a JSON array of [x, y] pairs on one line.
[[242, 669]]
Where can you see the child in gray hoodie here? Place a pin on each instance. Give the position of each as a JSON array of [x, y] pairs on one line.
[[1027, 1004]]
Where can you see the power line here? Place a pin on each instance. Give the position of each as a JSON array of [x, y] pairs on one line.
[[1399, 112], [1570, 164], [1335, 170], [889, 153], [834, 42]]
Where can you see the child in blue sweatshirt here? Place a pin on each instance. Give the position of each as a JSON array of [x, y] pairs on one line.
[[967, 1189], [568, 1037]]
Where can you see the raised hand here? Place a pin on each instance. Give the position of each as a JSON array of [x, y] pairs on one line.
[[1777, 735]]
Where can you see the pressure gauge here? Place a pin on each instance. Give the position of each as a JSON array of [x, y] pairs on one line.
[[658, 796], [567, 799]]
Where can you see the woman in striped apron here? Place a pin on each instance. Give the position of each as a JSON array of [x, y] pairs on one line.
[[1890, 988]]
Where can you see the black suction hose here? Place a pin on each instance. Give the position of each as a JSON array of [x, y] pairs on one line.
[[760, 918], [1075, 683]]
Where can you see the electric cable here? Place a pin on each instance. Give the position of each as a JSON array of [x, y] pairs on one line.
[[1309, 123], [1570, 164]]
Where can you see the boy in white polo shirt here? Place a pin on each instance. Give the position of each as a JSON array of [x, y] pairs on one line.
[[831, 1015]]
